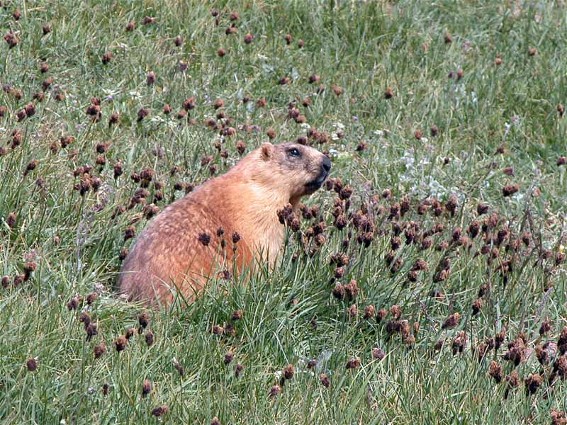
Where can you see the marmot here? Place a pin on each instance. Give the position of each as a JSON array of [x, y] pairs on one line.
[[228, 223]]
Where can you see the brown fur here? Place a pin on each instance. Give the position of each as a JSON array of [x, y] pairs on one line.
[[168, 255]]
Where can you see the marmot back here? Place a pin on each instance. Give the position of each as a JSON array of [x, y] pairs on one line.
[[229, 222]]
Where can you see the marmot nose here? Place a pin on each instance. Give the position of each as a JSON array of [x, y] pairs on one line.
[[326, 163]]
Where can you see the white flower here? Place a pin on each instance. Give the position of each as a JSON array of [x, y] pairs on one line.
[[135, 94]]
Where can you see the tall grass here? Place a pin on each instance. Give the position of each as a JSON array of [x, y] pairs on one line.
[[389, 311]]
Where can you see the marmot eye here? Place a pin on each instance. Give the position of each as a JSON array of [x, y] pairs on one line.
[[294, 152]]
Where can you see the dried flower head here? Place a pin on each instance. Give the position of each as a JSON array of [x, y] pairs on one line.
[[378, 353], [533, 382], [275, 391], [451, 321], [120, 343], [11, 39], [495, 371], [150, 78], [146, 387], [160, 410], [353, 363], [31, 364], [99, 350], [369, 312], [288, 371], [238, 369], [558, 417], [107, 58], [228, 357], [150, 338]]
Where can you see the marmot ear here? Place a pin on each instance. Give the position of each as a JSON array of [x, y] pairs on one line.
[[267, 150]]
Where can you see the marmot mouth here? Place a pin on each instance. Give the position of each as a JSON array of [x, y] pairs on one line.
[[316, 184]]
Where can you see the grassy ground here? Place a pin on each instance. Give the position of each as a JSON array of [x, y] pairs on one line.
[[444, 121]]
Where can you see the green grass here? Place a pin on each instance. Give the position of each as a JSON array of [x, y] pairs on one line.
[[490, 113]]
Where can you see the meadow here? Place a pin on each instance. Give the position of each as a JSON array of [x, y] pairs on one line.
[[426, 282]]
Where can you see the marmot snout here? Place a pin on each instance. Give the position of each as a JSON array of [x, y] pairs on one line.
[[235, 213]]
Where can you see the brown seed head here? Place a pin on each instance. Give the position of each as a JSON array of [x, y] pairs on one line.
[[150, 78], [120, 343], [30, 109], [228, 357], [495, 371], [107, 58], [59, 96], [352, 311], [144, 320], [218, 330], [477, 306], [459, 343], [160, 410], [396, 312], [314, 78], [91, 330], [130, 332], [369, 312], [378, 353], [146, 387], [533, 382], [74, 303], [353, 363], [150, 338], [11, 39], [451, 321], [238, 369], [337, 89], [31, 364], [288, 371], [143, 113], [558, 417], [204, 238], [85, 319], [99, 350], [275, 391], [509, 190]]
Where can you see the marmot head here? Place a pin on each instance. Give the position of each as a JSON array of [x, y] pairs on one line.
[[294, 170]]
